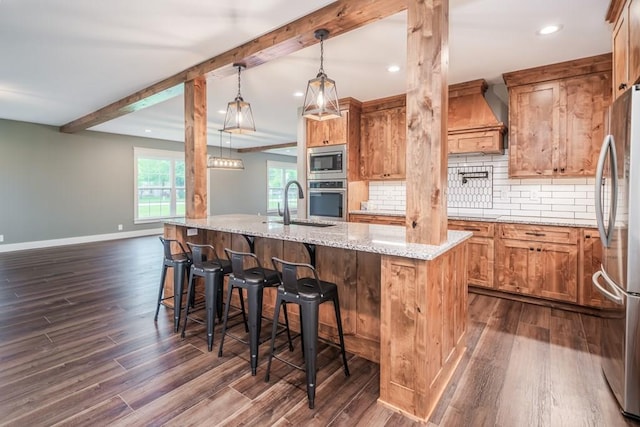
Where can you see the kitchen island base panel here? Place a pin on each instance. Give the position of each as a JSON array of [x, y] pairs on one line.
[[407, 314], [423, 329]]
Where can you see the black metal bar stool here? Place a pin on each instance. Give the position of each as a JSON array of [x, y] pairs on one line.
[[308, 293], [254, 279], [213, 271], [180, 262]]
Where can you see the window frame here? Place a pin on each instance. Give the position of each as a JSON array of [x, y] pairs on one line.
[[157, 154], [275, 164]]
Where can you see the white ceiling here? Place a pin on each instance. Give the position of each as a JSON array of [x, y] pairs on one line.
[[62, 59]]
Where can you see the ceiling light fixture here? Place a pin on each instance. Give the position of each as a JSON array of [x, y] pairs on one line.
[[321, 99], [298, 94], [393, 68], [225, 163], [239, 118], [549, 29]]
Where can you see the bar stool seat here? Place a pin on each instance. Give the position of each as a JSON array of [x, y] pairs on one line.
[[254, 279], [308, 293], [212, 269], [181, 263]]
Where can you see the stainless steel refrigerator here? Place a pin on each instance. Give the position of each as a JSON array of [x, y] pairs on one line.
[[617, 200]]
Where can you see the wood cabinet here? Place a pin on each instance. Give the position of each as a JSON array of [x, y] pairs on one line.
[[480, 252], [484, 142], [589, 262], [328, 132], [556, 117], [377, 219], [383, 144], [540, 261], [625, 15]]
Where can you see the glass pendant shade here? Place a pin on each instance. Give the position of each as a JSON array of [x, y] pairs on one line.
[[239, 118], [321, 100], [224, 163]]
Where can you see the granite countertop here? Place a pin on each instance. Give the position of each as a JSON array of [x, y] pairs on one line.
[[381, 239], [569, 222]]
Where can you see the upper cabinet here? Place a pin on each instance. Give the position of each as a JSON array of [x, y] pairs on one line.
[[328, 132], [383, 130], [625, 15], [556, 117]]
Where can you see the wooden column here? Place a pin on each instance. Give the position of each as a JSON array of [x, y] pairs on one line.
[[427, 100], [195, 147]]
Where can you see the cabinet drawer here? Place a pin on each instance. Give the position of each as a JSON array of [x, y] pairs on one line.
[[487, 142], [479, 228], [539, 233], [377, 219]]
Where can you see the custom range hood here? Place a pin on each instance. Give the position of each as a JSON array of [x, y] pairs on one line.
[[472, 125]]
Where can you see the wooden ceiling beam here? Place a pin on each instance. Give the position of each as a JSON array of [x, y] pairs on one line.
[[267, 147], [339, 17]]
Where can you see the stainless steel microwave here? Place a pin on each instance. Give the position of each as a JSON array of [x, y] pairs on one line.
[[327, 162]]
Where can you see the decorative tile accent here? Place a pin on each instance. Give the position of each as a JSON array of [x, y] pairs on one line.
[[470, 187]]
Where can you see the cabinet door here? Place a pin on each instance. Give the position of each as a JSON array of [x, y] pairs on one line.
[[480, 262], [587, 98], [559, 266], [517, 267], [373, 130], [621, 55], [395, 144], [534, 119], [589, 262], [634, 41], [327, 132]]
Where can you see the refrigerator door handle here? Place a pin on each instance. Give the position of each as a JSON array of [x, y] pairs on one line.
[[614, 294], [606, 234]]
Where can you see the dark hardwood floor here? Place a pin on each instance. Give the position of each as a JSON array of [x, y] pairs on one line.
[[78, 346]]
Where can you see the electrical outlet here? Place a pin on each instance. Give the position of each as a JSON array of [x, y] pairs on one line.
[[533, 195], [192, 231], [1, 238], [119, 227]]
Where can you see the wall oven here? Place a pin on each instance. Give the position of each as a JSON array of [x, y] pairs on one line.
[[327, 163], [327, 199]]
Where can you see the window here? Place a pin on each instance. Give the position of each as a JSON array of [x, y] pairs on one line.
[[278, 174], [159, 184]]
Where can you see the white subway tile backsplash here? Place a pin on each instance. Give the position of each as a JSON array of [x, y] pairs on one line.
[[545, 197]]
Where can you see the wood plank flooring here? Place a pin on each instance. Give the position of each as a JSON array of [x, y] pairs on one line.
[[78, 346]]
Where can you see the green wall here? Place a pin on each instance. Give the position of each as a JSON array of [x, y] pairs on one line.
[[56, 186]]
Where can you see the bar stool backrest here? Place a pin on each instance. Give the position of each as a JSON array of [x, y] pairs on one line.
[[197, 254], [288, 273], [239, 261], [168, 254]]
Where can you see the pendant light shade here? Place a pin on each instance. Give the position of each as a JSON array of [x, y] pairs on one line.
[[239, 118], [321, 99], [224, 163]]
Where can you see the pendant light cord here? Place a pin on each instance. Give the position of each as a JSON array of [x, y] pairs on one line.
[[239, 71], [322, 55]]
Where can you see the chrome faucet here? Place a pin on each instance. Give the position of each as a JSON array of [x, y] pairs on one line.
[[287, 216]]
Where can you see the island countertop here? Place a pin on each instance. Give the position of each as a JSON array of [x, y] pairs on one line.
[[381, 239]]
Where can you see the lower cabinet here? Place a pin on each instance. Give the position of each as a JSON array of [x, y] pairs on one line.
[[589, 262], [538, 260], [480, 259]]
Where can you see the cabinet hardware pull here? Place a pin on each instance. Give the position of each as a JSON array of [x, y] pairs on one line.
[[539, 249], [587, 236], [535, 234], [530, 249], [472, 229], [561, 169], [622, 86], [555, 169]]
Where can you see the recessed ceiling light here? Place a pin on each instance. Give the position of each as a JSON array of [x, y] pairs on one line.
[[147, 131], [549, 29], [222, 111], [393, 68], [298, 94]]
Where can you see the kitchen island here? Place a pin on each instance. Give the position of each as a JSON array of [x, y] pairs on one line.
[[403, 305]]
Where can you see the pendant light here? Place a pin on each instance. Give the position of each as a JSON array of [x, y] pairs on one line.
[[321, 99], [225, 163], [239, 118]]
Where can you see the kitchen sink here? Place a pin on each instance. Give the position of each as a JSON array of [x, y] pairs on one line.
[[303, 223]]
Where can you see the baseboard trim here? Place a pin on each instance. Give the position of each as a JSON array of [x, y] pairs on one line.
[[76, 240]]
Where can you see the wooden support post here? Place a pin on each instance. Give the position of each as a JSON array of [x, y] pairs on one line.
[[195, 147], [427, 106]]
